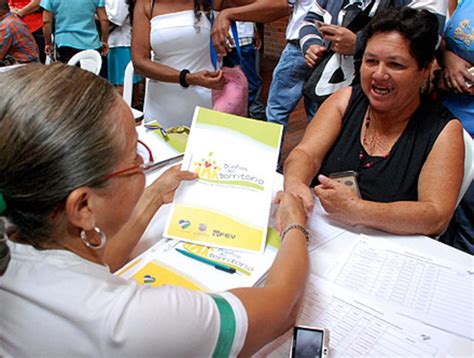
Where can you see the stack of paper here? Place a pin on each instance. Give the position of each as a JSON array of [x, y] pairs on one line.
[[415, 285], [360, 326]]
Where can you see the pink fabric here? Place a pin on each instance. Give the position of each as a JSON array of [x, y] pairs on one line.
[[233, 97]]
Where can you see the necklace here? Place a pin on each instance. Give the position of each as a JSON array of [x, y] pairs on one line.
[[366, 163]]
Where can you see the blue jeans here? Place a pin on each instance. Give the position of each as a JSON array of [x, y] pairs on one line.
[[286, 88]]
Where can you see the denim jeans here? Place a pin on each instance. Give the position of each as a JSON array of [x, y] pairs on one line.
[[287, 86]]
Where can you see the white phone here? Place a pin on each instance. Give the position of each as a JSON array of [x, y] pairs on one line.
[[309, 342]]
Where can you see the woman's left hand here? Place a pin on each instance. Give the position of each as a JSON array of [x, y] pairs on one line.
[[168, 182], [338, 200]]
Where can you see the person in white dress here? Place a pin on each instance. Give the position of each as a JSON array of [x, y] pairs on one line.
[[171, 47]]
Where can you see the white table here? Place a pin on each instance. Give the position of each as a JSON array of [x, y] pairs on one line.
[[326, 256]]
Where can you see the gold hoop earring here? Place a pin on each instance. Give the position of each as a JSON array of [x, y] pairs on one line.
[[102, 237]]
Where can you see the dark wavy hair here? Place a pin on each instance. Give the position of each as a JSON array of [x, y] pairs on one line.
[[419, 27], [131, 8]]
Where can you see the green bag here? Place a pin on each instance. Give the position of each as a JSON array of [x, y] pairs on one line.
[[176, 137]]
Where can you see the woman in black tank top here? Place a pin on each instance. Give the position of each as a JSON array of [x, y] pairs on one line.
[[406, 150]]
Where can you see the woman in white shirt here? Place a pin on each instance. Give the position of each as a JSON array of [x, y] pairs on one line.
[[71, 193], [179, 70]]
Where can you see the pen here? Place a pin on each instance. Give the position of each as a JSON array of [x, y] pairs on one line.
[[156, 125], [217, 265]]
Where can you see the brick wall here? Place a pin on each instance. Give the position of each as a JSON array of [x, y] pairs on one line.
[[274, 37]]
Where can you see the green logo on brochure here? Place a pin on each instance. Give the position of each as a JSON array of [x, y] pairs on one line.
[[184, 224]]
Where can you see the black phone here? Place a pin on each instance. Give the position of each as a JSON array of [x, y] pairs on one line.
[[309, 342]]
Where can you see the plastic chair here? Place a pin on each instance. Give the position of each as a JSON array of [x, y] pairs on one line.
[[468, 165], [89, 60], [128, 90]]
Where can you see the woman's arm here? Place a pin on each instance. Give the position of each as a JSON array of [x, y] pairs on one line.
[[141, 49], [272, 309], [305, 160], [253, 10], [438, 188], [47, 29], [159, 193], [244, 10], [33, 6], [104, 29]]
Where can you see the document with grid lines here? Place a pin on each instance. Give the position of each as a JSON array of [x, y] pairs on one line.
[[360, 326], [434, 292]]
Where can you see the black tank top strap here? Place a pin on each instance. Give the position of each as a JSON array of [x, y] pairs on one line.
[[152, 6]]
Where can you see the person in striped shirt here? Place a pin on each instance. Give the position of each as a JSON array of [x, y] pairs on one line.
[[16, 41]]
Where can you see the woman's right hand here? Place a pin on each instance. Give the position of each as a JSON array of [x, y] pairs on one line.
[[48, 50], [167, 183], [208, 79], [455, 73], [290, 210], [303, 192]]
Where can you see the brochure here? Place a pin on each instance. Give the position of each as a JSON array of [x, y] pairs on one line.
[[228, 206], [202, 268]]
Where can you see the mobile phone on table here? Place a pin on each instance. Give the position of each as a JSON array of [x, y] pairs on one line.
[[348, 178], [309, 342]]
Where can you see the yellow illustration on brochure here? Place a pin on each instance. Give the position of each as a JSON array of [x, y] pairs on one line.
[[228, 205]]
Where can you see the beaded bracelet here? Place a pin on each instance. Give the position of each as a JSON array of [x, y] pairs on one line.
[[297, 227]]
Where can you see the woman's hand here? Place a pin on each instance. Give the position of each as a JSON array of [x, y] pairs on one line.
[[303, 192], [455, 74], [313, 55], [338, 200], [290, 210], [168, 182], [104, 49], [213, 80], [49, 50], [17, 12]]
